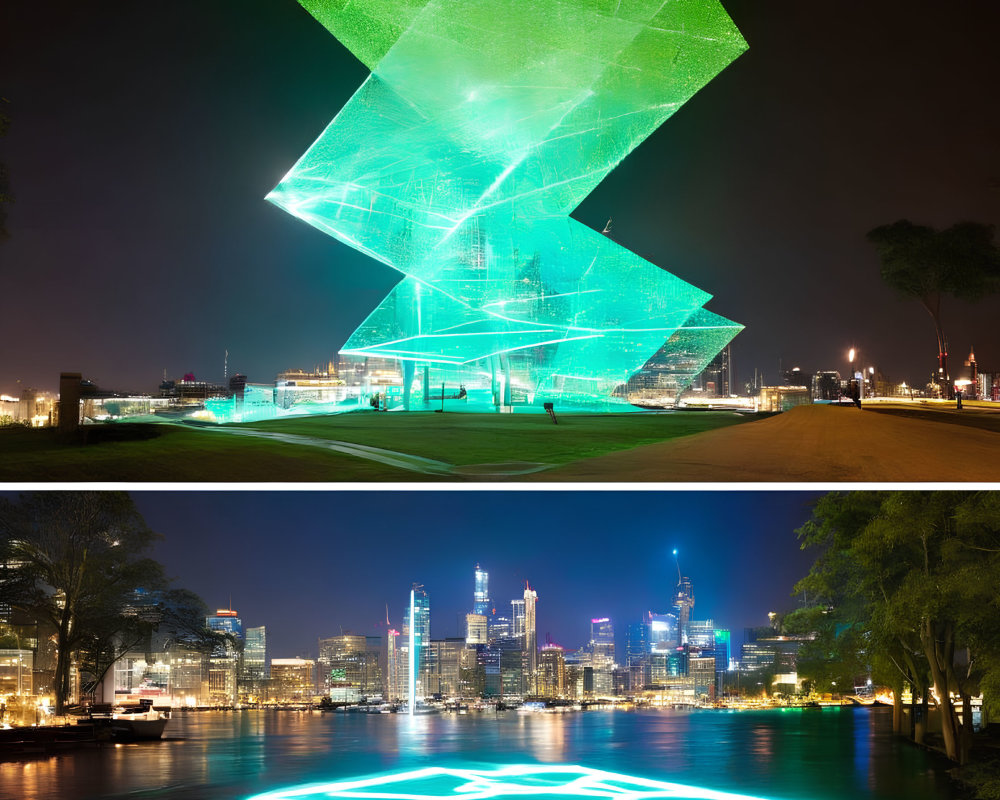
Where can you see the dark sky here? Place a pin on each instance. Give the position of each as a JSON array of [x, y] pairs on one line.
[[146, 135], [308, 564]]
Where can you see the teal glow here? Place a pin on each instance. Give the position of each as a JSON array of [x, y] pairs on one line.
[[458, 161], [516, 780]]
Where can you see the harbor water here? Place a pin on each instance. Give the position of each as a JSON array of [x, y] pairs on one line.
[[801, 754]]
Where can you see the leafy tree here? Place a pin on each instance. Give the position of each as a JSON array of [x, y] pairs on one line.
[[925, 264], [908, 579], [79, 558]]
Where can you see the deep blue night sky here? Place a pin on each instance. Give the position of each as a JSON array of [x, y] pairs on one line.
[[145, 136], [307, 564]]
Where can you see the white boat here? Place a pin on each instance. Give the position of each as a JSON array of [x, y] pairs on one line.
[[138, 723]]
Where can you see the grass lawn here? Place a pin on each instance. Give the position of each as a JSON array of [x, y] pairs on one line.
[[465, 439], [171, 453]]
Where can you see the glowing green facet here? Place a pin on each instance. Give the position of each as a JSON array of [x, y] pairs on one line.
[[457, 162]]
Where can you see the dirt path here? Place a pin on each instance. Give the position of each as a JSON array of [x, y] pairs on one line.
[[808, 443]]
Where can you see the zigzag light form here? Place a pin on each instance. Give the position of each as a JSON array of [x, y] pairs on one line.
[[484, 123], [516, 780]]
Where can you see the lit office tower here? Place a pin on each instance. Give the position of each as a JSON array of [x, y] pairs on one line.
[[222, 665], [476, 629], [683, 603], [255, 657], [530, 638], [395, 677], [418, 625], [602, 638], [517, 618], [481, 593]]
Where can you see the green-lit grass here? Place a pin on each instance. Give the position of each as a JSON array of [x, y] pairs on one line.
[[464, 439], [177, 454], [173, 453]]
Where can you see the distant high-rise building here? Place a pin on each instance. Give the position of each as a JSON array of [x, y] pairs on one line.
[[637, 654], [255, 670], [481, 593], [682, 606], [225, 620], [499, 628], [293, 680], [717, 377], [476, 629], [602, 638], [224, 660], [826, 385], [517, 618], [420, 629], [530, 636], [551, 680], [395, 672], [354, 660]]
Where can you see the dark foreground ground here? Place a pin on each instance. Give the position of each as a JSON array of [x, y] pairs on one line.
[[806, 444]]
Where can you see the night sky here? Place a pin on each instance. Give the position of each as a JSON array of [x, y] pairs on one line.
[[145, 136], [310, 564]]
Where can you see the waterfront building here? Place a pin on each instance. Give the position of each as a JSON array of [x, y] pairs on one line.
[[225, 657], [476, 630], [395, 674], [254, 669], [551, 677], [352, 659], [293, 680], [702, 671], [419, 630], [16, 672], [450, 657]]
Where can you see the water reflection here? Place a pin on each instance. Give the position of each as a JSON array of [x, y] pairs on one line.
[[808, 755]]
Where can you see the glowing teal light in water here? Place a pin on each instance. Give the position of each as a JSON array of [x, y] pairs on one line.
[[483, 125], [518, 780]]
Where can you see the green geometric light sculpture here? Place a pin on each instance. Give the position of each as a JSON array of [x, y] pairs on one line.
[[483, 125]]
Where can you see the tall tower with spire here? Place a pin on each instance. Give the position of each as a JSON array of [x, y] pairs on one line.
[[683, 603], [530, 636]]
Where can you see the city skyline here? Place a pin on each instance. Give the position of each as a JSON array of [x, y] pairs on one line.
[[141, 225], [333, 576]]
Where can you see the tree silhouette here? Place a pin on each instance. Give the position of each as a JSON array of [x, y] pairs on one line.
[[925, 264]]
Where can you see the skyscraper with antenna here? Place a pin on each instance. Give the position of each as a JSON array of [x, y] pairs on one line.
[[683, 603]]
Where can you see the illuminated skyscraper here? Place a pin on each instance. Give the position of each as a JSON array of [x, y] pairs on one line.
[[602, 638], [683, 603], [255, 664], [530, 637], [222, 670], [481, 593], [420, 658], [517, 618], [476, 629], [395, 679]]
